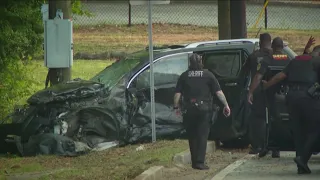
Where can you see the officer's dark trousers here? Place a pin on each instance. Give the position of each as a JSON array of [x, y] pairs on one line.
[[197, 124], [304, 114], [257, 120], [275, 124]]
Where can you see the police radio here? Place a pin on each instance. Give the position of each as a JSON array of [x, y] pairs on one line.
[[314, 91]]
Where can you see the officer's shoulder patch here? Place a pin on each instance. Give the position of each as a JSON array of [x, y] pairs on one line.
[[280, 56], [303, 57], [259, 66], [259, 59]]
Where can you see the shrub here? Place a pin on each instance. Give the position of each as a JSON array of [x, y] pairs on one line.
[[21, 37]]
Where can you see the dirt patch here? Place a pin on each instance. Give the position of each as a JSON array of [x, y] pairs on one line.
[[216, 161], [30, 176], [107, 38]]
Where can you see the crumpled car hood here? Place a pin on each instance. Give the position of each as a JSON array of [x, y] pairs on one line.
[[72, 90]]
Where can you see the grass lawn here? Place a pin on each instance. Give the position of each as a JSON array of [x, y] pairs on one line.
[[114, 164], [107, 38]]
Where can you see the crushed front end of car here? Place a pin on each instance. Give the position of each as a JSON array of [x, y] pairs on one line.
[[66, 119], [80, 116]]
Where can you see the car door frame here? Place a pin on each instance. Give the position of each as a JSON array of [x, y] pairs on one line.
[[223, 128], [168, 115], [147, 65]]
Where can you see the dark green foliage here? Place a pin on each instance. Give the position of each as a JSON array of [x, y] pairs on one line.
[[21, 36], [77, 8], [20, 30]]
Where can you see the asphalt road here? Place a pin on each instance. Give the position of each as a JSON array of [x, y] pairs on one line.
[[284, 17], [270, 169]]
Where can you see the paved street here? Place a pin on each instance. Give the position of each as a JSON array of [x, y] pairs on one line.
[[204, 14], [270, 169]]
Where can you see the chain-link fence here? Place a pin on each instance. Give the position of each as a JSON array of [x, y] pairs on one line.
[[297, 14]]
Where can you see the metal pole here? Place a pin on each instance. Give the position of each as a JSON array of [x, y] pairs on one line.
[[224, 19], [153, 116], [129, 15], [266, 15]]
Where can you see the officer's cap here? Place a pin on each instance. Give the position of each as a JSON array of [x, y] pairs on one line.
[[277, 42], [264, 37]]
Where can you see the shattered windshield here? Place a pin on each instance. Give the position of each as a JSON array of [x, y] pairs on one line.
[[113, 73]]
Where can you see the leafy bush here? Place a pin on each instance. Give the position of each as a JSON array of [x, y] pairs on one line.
[[21, 36], [13, 86], [78, 9]]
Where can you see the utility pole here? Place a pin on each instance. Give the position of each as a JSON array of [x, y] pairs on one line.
[[224, 19], [58, 75], [266, 16], [238, 19]]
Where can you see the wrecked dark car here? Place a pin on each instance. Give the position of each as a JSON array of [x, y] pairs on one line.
[[113, 108]]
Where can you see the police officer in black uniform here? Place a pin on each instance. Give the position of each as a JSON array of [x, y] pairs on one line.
[[257, 123], [197, 87], [303, 101], [278, 59]]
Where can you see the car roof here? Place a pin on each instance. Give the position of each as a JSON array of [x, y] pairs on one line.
[[226, 41], [156, 55], [246, 43]]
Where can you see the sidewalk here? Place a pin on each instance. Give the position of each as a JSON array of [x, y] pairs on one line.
[[268, 168]]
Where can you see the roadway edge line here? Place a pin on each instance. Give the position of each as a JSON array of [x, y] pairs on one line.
[[231, 167]]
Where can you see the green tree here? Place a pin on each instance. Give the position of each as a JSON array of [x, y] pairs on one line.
[[21, 36]]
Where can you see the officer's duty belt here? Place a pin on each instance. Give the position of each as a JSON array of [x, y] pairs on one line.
[[298, 88]]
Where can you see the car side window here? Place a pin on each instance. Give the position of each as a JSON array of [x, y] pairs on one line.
[[223, 64], [166, 71]]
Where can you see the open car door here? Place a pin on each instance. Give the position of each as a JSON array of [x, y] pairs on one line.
[[227, 66], [280, 135]]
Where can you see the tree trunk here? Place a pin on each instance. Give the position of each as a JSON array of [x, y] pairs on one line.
[[224, 19]]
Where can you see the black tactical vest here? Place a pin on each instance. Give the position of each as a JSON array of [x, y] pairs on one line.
[[277, 61], [301, 71]]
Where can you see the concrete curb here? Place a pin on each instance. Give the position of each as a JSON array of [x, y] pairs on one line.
[[153, 173], [223, 173], [156, 172], [185, 156]]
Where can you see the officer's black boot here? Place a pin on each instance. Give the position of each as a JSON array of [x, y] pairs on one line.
[[263, 152], [303, 171], [302, 167], [275, 154], [200, 166], [255, 150]]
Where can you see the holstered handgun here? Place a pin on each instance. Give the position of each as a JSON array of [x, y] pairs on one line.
[[199, 105], [314, 91]]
